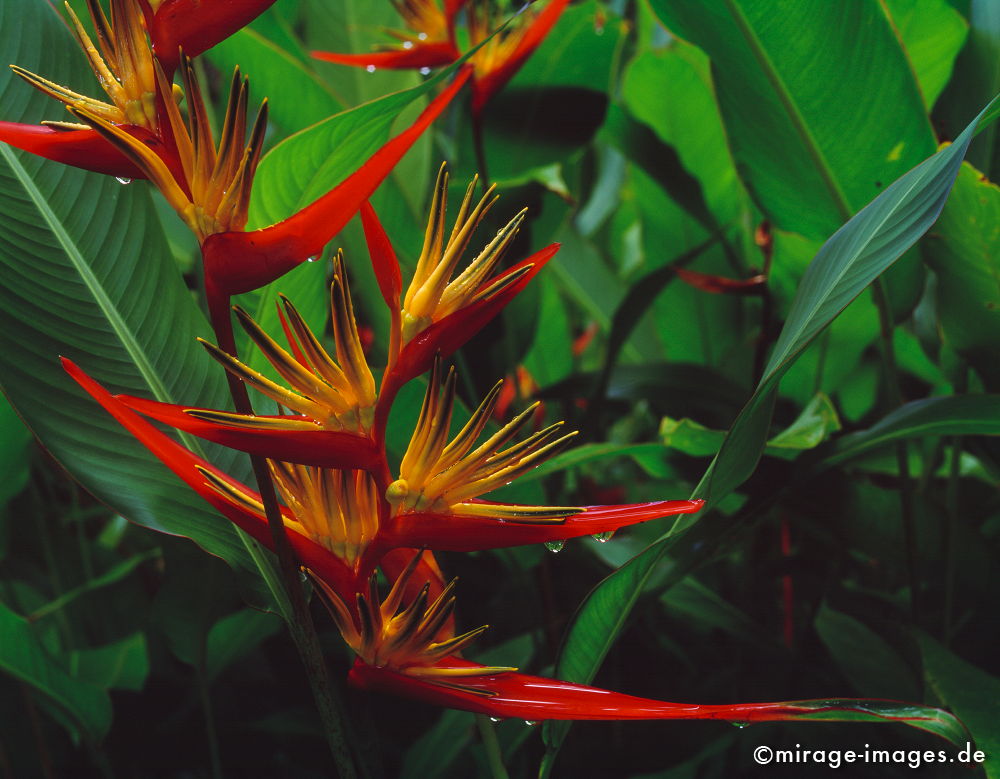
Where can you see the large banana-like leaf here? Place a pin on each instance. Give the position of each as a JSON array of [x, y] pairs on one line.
[[86, 273]]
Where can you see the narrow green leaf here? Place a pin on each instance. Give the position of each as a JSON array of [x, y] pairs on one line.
[[123, 665], [954, 415], [23, 656]]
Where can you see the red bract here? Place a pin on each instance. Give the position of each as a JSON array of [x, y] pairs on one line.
[[81, 148], [506, 694], [238, 262], [195, 26], [432, 43]]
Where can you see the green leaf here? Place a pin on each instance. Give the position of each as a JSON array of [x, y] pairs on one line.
[[971, 692], [848, 262], [86, 273], [23, 656], [954, 415], [15, 439], [797, 90], [298, 98], [235, 636], [932, 32], [817, 420], [864, 657], [123, 665], [964, 251]]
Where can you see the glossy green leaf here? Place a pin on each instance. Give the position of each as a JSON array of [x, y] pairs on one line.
[[797, 89], [932, 33], [972, 694], [817, 420], [123, 665], [953, 415], [964, 251], [23, 656], [850, 260], [15, 439], [87, 274], [296, 97], [868, 661]]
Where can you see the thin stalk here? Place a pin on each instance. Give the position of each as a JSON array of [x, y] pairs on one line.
[[214, 755], [331, 709], [895, 400], [477, 135], [44, 760], [951, 524], [492, 746]]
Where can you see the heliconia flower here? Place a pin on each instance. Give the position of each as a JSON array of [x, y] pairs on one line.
[[404, 647], [142, 134], [344, 515], [432, 42], [195, 26], [440, 310], [124, 66], [331, 400]]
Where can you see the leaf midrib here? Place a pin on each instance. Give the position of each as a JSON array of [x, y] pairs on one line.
[[121, 329], [791, 108]]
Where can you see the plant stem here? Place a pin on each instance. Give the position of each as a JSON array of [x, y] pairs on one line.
[[895, 400], [214, 756], [331, 710], [492, 747], [951, 523]]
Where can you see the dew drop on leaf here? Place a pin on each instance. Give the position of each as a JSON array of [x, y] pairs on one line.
[[370, 68], [425, 71], [122, 180], [555, 546], [603, 538]]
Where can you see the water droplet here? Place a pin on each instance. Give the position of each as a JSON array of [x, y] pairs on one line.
[[495, 720], [530, 723], [407, 44], [370, 68], [603, 538], [313, 258], [303, 577], [422, 36], [739, 725], [425, 71], [555, 546], [123, 180]]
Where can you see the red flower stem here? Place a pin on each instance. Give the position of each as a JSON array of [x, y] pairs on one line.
[[301, 626]]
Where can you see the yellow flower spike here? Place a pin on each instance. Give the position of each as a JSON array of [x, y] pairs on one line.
[[330, 395], [425, 17], [335, 508], [404, 640], [122, 63], [433, 293], [442, 477]]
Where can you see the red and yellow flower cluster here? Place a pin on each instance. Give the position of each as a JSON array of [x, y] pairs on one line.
[[349, 514]]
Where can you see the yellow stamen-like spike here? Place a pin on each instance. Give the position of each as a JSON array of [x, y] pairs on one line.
[[441, 478], [406, 641], [264, 385], [251, 423], [350, 354], [433, 293]]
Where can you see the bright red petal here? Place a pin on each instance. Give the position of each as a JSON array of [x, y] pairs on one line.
[[322, 448], [458, 533], [197, 25], [84, 149], [429, 54], [243, 261], [535, 698], [185, 463], [384, 261], [490, 83]]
